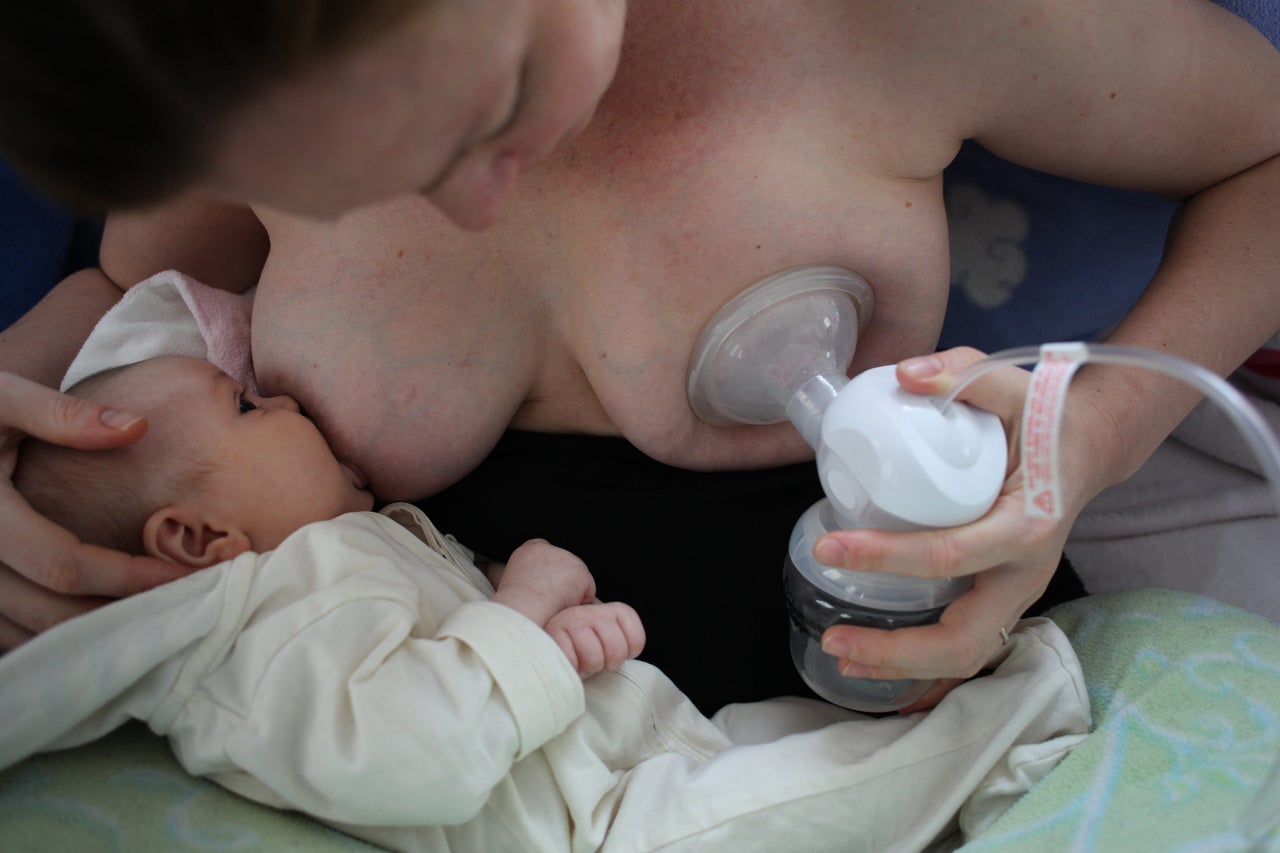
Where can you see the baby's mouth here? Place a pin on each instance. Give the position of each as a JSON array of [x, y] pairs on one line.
[[358, 479]]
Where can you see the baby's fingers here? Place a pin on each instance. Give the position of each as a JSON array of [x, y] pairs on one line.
[[598, 637], [565, 642], [601, 645], [617, 629], [631, 630]]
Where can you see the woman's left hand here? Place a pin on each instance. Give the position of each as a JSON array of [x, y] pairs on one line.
[[1011, 557]]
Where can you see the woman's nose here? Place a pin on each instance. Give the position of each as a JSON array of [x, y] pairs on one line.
[[473, 196]]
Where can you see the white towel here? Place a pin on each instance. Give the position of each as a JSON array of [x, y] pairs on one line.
[[171, 314]]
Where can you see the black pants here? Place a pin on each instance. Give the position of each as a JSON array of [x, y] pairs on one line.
[[698, 554]]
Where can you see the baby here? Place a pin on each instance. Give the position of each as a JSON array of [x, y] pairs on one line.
[[223, 471], [357, 666]]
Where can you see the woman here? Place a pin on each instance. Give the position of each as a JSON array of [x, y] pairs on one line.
[[733, 141]]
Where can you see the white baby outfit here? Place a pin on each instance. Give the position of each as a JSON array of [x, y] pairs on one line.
[[358, 673]]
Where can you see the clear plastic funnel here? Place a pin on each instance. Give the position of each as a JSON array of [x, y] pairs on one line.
[[774, 339]]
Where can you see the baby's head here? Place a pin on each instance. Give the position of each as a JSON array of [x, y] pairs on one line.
[[219, 471]]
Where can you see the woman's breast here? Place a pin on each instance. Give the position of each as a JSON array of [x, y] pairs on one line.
[[411, 373], [663, 257]]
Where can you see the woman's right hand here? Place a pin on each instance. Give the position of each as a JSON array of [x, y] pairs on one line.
[[46, 574]]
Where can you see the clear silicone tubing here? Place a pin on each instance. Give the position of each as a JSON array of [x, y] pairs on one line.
[[1263, 812]]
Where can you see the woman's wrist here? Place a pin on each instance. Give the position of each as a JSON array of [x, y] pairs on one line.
[[1114, 420]]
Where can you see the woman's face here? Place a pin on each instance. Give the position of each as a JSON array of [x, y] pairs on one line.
[[449, 104]]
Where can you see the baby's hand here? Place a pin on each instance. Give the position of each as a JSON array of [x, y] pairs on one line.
[[540, 580], [555, 590], [597, 637]]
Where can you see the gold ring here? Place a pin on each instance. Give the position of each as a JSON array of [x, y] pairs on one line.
[[1004, 637]]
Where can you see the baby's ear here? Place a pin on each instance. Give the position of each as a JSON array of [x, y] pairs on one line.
[[184, 536]]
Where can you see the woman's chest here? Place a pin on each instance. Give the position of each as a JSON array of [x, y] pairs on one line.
[[412, 340], [414, 357]]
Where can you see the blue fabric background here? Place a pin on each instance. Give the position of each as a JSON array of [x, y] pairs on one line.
[[39, 244]]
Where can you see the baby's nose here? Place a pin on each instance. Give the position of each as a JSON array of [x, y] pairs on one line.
[[280, 401]]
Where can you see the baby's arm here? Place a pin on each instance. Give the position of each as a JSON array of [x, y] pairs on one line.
[[555, 590]]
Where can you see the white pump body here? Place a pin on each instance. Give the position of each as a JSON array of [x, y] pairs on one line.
[[895, 461]]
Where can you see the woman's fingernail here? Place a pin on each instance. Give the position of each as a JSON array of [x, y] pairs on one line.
[[837, 647], [922, 367], [830, 553], [118, 420]]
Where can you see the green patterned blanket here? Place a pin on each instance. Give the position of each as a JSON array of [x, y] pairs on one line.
[[1185, 694]]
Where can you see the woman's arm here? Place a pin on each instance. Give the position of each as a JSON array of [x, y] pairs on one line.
[[42, 343], [219, 244]]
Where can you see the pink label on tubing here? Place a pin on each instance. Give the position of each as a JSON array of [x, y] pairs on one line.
[[1041, 424]]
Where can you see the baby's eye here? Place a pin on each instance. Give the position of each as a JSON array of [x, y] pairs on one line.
[[246, 405]]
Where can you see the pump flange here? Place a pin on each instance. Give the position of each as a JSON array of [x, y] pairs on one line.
[[764, 343]]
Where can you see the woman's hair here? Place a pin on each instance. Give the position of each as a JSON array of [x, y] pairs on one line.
[[119, 103], [104, 497]]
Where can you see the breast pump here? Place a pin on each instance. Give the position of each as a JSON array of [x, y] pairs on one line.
[[886, 459]]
